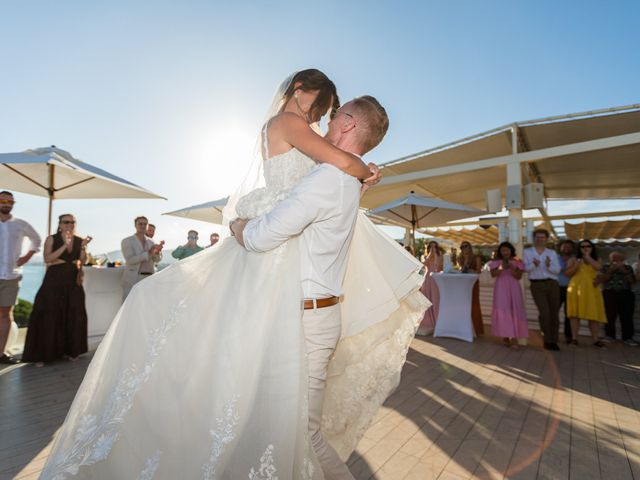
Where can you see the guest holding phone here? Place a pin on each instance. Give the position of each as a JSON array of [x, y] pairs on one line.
[[58, 322]]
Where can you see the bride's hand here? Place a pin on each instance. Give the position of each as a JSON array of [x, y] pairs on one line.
[[375, 177]]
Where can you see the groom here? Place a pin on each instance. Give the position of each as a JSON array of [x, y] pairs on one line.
[[322, 210]]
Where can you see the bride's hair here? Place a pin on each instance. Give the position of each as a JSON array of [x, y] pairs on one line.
[[310, 80]]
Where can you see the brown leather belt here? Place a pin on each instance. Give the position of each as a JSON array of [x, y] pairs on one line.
[[321, 302]]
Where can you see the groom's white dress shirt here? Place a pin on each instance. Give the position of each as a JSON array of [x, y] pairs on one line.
[[322, 209]]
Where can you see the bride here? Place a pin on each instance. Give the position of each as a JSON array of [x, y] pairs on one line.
[[201, 378]]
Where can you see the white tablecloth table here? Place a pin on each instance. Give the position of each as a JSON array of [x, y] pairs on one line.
[[103, 293], [454, 314]]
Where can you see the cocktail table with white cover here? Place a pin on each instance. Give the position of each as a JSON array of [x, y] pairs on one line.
[[454, 315], [103, 293]]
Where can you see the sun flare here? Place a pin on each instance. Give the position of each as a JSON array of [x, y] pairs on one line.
[[223, 156]]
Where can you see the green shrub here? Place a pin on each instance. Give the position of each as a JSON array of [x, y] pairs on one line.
[[22, 312]]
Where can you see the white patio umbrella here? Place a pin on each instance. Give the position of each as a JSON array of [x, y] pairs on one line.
[[206, 212], [415, 211], [54, 173]]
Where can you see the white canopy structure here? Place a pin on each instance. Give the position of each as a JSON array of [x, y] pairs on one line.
[[589, 155], [607, 230], [475, 236], [54, 173]]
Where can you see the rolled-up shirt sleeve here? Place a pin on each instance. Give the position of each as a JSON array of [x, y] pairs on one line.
[[34, 238], [312, 199]]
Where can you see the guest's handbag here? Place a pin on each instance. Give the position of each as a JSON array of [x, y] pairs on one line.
[[80, 275]]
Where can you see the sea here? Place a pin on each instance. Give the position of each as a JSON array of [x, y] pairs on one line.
[[32, 275]]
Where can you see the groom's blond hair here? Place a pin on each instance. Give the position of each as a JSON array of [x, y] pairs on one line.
[[373, 121]]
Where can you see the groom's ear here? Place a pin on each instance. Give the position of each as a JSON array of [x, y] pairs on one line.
[[348, 126]]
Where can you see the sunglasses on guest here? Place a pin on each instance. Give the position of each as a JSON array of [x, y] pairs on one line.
[[68, 222], [7, 202]]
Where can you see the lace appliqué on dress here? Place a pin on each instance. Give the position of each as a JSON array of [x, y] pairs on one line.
[[371, 379], [96, 436], [267, 470], [150, 466], [308, 469], [281, 173], [223, 435]]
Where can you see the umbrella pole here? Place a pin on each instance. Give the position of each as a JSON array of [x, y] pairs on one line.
[[413, 239], [51, 191], [49, 220], [414, 222]]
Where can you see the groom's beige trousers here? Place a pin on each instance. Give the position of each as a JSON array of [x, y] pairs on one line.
[[322, 327]]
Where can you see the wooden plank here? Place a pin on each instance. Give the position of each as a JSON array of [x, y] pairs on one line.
[[462, 410]]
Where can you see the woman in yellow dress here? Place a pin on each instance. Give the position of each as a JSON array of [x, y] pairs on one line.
[[584, 298]]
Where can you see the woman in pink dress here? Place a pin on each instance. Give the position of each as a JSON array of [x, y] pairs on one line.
[[508, 318], [432, 263]]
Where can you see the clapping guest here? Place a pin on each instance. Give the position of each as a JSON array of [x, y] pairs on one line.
[[617, 279], [508, 316], [58, 322], [188, 249], [213, 239], [140, 254], [433, 262], [584, 298], [541, 264], [13, 231], [469, 262], [567, 251]]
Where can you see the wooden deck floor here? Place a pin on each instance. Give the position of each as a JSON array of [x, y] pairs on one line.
[[462, 411]]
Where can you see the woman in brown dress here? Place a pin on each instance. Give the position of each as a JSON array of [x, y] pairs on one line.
[[58, 322], [469, 262]]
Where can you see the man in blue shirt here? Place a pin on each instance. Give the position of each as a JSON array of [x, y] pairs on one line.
[[567, 250]]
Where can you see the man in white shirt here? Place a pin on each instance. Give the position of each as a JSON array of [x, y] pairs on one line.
[[140, 254], [543, 267], [322, 209], [12, 233]]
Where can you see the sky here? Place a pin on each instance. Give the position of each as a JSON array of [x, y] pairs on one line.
[[170, 95]]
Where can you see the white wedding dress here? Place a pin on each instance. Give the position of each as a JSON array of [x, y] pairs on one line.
[[203, 373]]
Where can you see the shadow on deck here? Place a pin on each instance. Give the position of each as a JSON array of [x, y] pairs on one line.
[[462, 410]]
